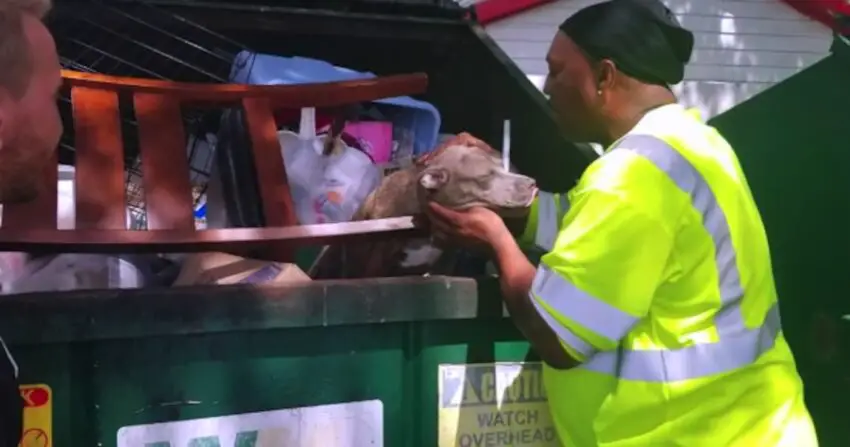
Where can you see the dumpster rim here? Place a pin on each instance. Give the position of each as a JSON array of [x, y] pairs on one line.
[[89, 315]]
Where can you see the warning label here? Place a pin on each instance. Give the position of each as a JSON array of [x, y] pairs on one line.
[[38, 416], [498, 404]]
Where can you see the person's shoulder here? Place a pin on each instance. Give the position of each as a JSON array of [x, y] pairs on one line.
[[636, 161], [636, 171]]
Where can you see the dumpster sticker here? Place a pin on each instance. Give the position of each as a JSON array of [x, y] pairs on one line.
[[38, 416], [352, 424], [494, 404]]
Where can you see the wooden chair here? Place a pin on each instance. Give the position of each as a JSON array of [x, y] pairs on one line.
[[100, 174]]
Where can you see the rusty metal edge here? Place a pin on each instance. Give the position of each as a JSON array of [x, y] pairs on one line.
[[840, 45], [79, 316]]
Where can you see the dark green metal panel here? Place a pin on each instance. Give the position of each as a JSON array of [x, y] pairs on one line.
[[139, 356], [793, 146], [158, 379], [170, 378]]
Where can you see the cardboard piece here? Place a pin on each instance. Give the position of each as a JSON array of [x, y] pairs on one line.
[[223, 268]]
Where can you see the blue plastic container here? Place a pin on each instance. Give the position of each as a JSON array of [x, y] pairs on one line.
[[420, 117]]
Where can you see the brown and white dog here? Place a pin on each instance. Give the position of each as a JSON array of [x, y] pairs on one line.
[[464, 173]]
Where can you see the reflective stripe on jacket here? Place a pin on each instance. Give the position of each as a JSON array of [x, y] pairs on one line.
[[658, 279]]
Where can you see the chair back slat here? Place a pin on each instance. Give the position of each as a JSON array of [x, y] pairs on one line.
[[41, 212], [276, 198], [271, 174], [99, 177], [165, 165]]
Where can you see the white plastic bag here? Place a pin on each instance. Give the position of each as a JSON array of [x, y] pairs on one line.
[[325, 188]]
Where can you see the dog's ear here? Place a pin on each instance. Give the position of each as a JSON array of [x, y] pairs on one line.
[[434, 179]]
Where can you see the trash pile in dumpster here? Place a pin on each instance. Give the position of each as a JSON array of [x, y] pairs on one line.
[[341, 164]]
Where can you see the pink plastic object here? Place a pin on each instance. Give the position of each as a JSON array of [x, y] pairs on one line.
[[374, 137]]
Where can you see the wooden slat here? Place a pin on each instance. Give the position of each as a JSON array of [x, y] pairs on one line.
[[99, 163], [271, 174], [40, 213], [278, 209], [234, 240], [165, 167], [325, 94]]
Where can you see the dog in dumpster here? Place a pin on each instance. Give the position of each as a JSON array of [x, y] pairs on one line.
[[463, 173]]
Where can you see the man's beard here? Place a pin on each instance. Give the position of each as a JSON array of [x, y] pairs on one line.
[[19, 190], [19, 186], [22, 170]]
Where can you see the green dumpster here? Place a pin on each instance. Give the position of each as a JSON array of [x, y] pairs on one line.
[[361, 358], [339, 363]]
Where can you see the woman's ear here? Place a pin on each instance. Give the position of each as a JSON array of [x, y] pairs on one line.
[[606, 71]]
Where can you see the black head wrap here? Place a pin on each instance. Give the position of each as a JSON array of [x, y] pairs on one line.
[[642, 37]]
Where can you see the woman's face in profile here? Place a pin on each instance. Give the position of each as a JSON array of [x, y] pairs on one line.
[[572, 89]]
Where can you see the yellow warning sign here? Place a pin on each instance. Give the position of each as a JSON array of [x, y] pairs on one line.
[[494, 404], [38, 416]]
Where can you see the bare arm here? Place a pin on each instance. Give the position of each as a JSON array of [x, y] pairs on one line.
[[516, 277]]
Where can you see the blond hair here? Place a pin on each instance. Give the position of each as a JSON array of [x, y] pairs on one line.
[[15, 60]]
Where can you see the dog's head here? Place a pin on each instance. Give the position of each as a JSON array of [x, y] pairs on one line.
[[464, 176]]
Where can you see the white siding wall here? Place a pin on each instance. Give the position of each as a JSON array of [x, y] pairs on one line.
[[742, 46]]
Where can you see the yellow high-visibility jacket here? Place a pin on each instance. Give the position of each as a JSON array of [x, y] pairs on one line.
[[657, 277]]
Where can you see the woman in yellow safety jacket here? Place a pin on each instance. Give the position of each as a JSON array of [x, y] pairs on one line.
[[654, 307]]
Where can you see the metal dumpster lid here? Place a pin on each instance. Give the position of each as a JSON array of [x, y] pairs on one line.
[[841, 46], [456, 9]]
